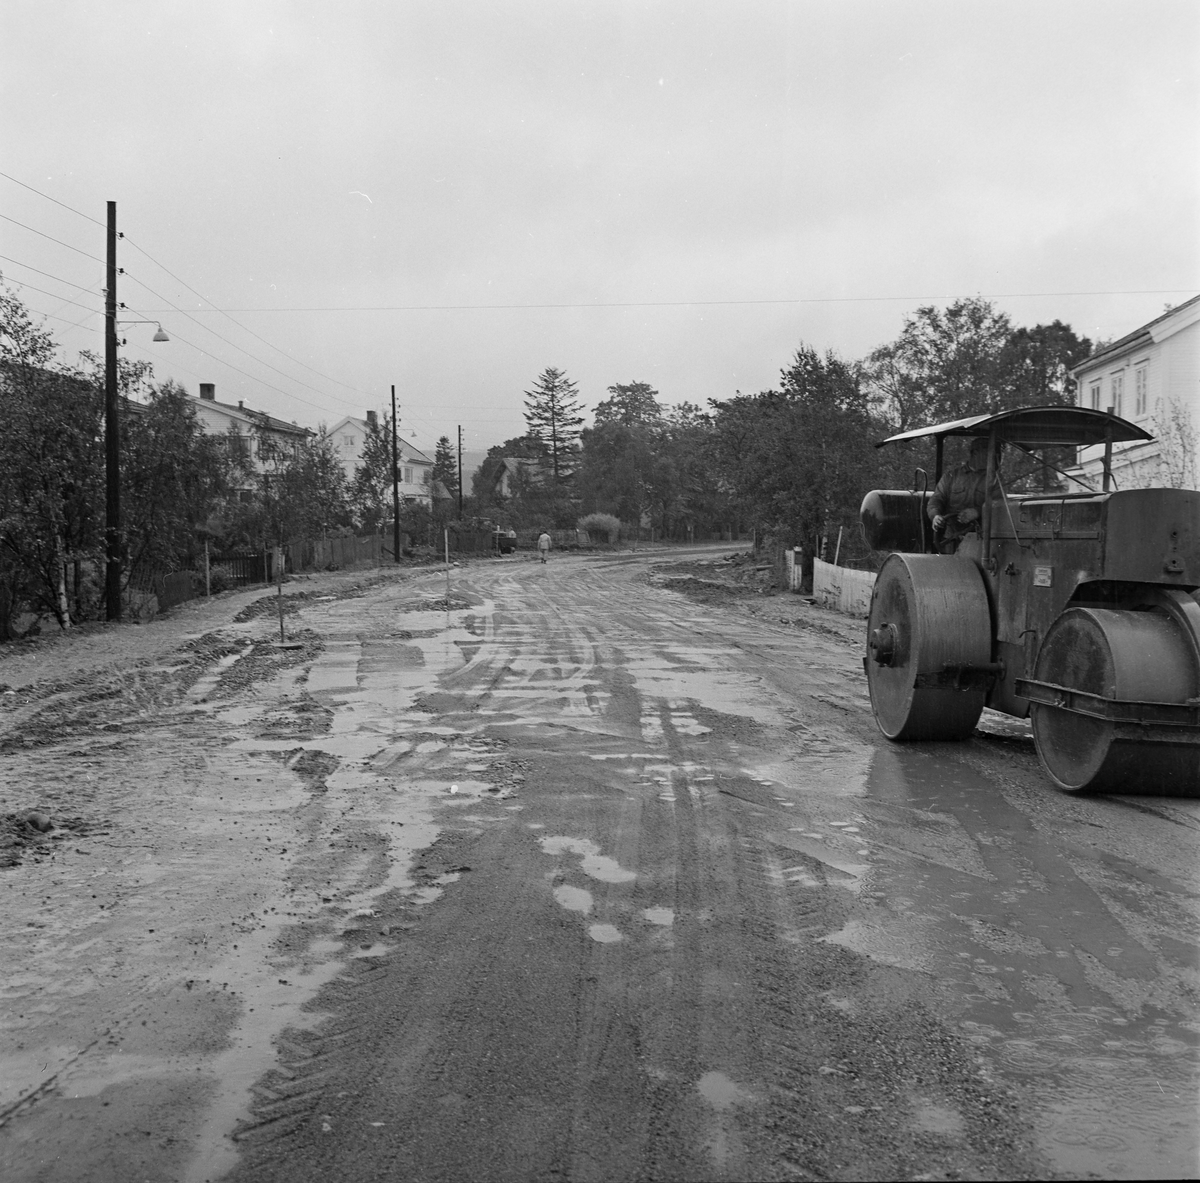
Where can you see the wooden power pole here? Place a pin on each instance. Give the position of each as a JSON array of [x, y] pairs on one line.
[[395, 483], [460, 472], [112, 431]]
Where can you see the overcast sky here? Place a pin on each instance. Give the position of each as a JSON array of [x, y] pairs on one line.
[[380, 191]]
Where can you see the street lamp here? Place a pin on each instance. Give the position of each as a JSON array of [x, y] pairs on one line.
[[159, 336]]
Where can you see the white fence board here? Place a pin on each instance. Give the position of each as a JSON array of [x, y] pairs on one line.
[[842, 588]]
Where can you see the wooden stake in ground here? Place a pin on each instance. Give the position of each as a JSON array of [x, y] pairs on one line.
[[279, 591]]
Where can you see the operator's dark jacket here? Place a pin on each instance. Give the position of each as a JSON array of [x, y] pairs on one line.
[[961, 487]]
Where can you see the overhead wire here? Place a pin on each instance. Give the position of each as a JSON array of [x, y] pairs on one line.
[[181, 311], [51, 238], [47, 196], [700, 303], [79, 324], [221, 361], [47, 274], [434, 307], [200, 349], [234, 345], [244, 328], [52, 295]]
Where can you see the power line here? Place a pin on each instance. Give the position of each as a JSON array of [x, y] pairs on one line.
[[47, 274], [239, 348], [241, 326], [49, 198], [700, 303], [53, 295], [51, 238], [200, 348], [189, 287], [78, 324]]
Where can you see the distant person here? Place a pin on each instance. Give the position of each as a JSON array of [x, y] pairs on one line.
[[957, 501], [544, 545]]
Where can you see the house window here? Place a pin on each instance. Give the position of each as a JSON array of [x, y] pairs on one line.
[[348, 442], [1095, 396], [1139, 391], [408, 476], [1118, 392]]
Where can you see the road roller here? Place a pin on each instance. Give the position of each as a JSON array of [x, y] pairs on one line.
[[1077, 610]]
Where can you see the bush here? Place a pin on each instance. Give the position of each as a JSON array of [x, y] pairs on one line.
[[601, 523], [220, 579]]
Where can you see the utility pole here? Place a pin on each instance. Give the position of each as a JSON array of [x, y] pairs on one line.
[[460, 472], [395, 483], [112, 431]]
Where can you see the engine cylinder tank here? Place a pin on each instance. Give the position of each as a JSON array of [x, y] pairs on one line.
[[895, 519]]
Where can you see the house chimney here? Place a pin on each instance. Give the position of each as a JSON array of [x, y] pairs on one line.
[[372, 421], [241, 405], [208, 390]]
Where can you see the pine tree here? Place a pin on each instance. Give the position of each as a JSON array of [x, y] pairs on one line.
[[552, 416], [445, 466]]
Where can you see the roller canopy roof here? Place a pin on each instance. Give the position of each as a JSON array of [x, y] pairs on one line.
[[1036, 427]]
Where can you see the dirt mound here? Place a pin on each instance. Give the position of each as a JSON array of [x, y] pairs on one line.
[[269, 606], [32, 833], [439, 605], [264, 661]]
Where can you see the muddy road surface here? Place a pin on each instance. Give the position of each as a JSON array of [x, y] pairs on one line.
[[596, 869]]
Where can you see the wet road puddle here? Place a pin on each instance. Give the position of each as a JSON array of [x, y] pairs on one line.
[[574, 899], [1051, 960], [721, 1092], [592, 862], [605, 934]]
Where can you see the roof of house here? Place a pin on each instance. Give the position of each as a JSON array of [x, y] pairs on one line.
[[1184, 314], [520, 464], [410, 451], [261, 418]]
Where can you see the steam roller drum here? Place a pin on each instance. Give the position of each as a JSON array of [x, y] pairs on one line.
[[1143, 657], [928, 612]]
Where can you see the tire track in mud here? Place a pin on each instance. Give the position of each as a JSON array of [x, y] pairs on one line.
[[540, 1021]]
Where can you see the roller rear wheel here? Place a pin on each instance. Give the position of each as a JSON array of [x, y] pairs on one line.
[[927, 612], [1145, 656]]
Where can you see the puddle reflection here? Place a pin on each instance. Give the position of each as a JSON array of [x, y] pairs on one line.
[[1058, 992]]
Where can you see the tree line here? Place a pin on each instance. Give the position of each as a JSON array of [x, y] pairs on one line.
[[180, 487], [790, 463]]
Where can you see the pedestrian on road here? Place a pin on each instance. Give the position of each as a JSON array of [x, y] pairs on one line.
[[544, 545]]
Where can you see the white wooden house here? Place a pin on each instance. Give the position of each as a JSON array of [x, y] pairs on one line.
[[415, 468], [246, 430], [1152, 378]]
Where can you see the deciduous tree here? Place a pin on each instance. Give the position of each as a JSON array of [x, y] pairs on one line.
[[51, 465], [173, 476], [800, 458], [370, 493], [946, 364]]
